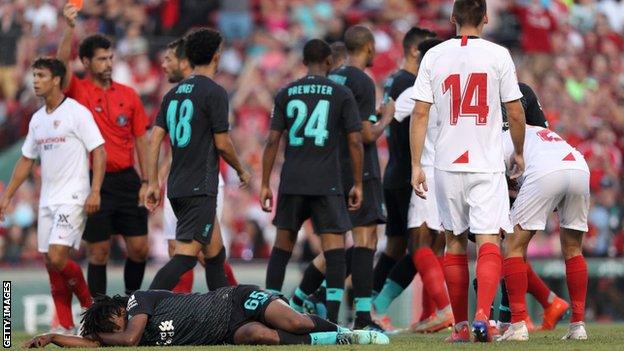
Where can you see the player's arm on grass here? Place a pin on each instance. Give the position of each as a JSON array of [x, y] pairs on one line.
[[60, 340], [63, 53], [129, 337], [418, 132], [152, 196], [20, 173]]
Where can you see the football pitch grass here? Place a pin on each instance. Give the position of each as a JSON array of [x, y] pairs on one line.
[[601, 337]]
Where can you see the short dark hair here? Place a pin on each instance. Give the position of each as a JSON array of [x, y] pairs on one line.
[[356, 37], [469, 12], [54, 65], [202, 45], [426, 45], [316, 51], [96, 319], [178, 48], [339, 50], [91, 43], [415, 36]]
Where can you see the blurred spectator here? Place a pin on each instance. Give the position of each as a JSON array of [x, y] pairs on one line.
[[235, 22], [42, 15], [606, 217], [10, 33]]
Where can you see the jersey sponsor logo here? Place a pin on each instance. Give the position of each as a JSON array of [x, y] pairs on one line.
[[132, 303], [122, 120], [52, 140], [166, 326], [167, 331]]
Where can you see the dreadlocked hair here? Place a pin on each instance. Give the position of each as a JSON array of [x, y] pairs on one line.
[[97, 318]]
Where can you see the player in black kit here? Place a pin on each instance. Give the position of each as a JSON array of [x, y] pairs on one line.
[[318, 115], [195, 115], [242, 314]]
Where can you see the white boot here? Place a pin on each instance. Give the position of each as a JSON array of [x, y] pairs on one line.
[[576, 331], [515, 332]]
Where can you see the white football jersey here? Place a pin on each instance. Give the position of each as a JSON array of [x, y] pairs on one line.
[[544, 152], [63, 140], [403, 108], [466, 79]]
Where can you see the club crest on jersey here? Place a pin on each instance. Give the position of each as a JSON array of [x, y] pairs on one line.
[[56, 123], [122, 120]]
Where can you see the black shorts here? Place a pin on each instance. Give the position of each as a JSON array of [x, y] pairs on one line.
[[328, 212], [397, 204], [372, 210], [249, 304], [119, 211], [196, 216]]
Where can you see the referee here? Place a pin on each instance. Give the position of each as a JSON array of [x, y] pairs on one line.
[[121, 119]]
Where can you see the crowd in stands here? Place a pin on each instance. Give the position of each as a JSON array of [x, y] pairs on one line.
[[570, 52]]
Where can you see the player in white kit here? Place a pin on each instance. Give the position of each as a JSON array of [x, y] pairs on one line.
[[556, 178], [62, 134], [467, 78]]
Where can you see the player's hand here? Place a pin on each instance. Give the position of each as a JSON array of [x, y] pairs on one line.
[[152, 197], [419, 182], [387, 110], [245, 178], [355, 197], [92, 204], [38, 341], [142, 193], [266, 199], [4, 206], [517, 166], [70, 12]]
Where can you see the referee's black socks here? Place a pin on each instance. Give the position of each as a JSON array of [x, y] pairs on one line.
[[96, 279], [215, 275], [335, 272], [276, 269], [133, 275], [169, 275]]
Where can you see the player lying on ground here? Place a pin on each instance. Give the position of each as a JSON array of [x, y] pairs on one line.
[[232, 315]]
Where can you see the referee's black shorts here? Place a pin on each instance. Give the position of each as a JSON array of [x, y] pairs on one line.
[[119, 211]]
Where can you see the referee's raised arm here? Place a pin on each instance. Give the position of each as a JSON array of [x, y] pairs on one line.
[[70, 12]]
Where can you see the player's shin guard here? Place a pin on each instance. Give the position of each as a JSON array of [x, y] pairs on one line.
[[133, 275], [215, 275], [398, 280], [185, 284], [576, 277], [538, 288], [432, 276], [382, 269], [516, 283], [96, 277], [62, 297], [276, 269], [457, 280], [312, 279], [361, 274], [169, 275], [335, 272], [76, 282], [489, 266]]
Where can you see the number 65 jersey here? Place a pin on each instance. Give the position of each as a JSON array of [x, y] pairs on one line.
[[315, 112], [467, 78], [192, 112]]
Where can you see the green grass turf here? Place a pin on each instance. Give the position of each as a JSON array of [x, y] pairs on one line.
[[601, 337]]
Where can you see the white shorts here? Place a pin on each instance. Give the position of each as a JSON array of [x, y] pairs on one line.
[[60, 225], [475, 201], [564, 190], [170, 221], [425, 210]]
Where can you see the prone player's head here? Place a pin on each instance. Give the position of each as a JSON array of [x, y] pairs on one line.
[[203, 47], [359, 40], [175, 63], [106, 315], [424, 46], [96, 54], [317, 53], [48, 75], [413, 38], [339, 53], [469, 13]]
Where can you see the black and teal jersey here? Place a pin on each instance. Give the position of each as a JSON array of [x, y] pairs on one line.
[[313, 111], [398, 172], [191, 113], [363, 89]]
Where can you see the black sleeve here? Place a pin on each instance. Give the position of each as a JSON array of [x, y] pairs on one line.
[[399, 86], [350, 121], [366, 104], [278, 119], [533, 112], [144, 302], [161, 118], [218, 103]]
